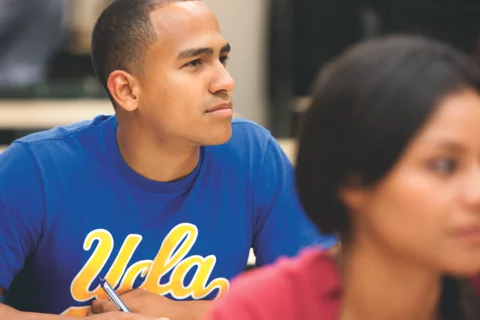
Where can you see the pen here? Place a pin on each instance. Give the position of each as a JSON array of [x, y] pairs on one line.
[[113, 296]]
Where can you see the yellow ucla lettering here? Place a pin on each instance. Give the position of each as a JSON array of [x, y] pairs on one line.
[[82, 282], [121, 261], [139, 268], [197, 288], [170, 257], [174, 248]]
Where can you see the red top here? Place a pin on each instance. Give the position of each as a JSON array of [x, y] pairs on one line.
[[476, 285], [307, 287]]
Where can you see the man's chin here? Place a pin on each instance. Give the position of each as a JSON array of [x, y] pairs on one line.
[[218, 137]]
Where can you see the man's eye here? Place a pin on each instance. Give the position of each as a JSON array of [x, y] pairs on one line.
[[194, 63], [224, 60]]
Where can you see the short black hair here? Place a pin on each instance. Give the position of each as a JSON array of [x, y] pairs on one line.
[[121, 35], [366, 106]]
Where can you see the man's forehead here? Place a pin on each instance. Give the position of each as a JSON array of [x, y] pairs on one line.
[[185, 25], [182, 18]]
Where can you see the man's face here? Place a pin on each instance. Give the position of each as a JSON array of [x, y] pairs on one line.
[[185, 88]]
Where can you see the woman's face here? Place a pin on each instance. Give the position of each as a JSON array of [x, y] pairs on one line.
[[427, 208]]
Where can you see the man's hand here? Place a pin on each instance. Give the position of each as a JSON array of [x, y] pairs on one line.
[[10, 313], [137, 301], [117, 315], [147, 303]]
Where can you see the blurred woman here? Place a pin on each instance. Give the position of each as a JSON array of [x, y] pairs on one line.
[[388, 159]]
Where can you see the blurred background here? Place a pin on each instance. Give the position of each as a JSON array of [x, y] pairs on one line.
[[46, 78]]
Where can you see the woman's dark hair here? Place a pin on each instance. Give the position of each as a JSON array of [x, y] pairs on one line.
[[366, 106]]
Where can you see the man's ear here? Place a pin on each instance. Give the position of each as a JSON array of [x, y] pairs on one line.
[[124, 89]]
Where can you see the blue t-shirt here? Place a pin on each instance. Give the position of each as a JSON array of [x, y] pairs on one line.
[[72, 210]]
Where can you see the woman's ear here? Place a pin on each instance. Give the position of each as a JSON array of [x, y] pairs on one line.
[[354, 194]]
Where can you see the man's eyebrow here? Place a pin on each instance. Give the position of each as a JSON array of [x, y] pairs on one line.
[[190, 53], [226, 48], [193, 52]]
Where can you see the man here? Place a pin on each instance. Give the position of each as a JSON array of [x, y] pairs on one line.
[[167, 196]]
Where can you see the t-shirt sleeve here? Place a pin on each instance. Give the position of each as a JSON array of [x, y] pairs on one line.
[[281, 227], [21, 210]]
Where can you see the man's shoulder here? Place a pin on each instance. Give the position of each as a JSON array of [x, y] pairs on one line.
[[246, 147], [64, 133], [243, 128], [248, 136], [55, 146]]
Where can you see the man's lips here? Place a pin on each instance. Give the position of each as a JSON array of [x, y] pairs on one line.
[[223, 106]]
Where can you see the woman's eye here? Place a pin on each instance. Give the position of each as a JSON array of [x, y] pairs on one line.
[[443, 166]]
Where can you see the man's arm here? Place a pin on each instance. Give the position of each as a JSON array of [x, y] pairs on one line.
[[281, 225], [21, 210], [21, 220], [9, 313], [21, 223], [148, 303]]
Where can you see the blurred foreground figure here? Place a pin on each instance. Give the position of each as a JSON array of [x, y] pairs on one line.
[[389, 159]]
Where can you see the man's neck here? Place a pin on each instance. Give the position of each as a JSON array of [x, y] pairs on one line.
[[156, 159], [378, 286]]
